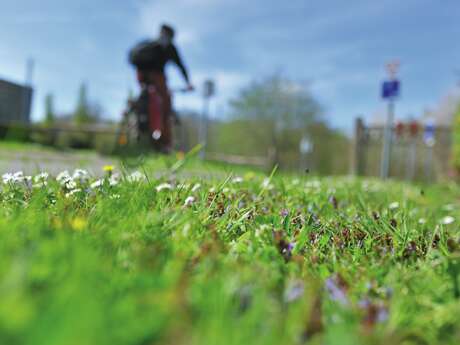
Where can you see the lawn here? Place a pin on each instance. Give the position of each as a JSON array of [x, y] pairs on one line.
[[244, 258]]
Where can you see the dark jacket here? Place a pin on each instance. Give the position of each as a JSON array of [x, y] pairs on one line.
[[156, 56]]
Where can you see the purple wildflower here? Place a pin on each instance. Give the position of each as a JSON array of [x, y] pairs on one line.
[[294, 291], [336, 291], [333, 201], [382, 314], [364, 303], [284, 213]]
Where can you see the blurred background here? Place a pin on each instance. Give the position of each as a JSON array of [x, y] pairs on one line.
[[297, 83]]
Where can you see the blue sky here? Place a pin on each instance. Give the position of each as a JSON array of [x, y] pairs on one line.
[[336, 47]]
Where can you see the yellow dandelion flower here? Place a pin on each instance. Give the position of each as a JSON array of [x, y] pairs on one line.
[[78, 224], [108, 168]]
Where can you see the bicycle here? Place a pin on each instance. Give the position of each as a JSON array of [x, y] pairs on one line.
[[142, 121]]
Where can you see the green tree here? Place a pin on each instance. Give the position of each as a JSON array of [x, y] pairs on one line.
[[49, 109], [86, 111], [271, 108]]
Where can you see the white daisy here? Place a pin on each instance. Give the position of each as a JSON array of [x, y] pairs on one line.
[[41, 177], [70, 184], [422, 221], [394, 205], [18, 176], [72, 192], [447, 220], [189, 201], [136, 176], [196, 187], [7, 178], [113, 180], [164, 186], [237, 179], [63, 177], [81, 176], [97, 183]]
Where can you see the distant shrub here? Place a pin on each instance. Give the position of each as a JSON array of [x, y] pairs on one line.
[[104, 143], [17, 133], [456, 141], [75, 140], [46, 137]]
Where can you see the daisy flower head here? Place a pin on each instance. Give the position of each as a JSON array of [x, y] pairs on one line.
[[164, 186]]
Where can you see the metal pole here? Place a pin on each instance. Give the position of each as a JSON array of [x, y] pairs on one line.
[[204, 126], [412, 159], [208, 92], [428, 163], [387, 141], [358, 154]]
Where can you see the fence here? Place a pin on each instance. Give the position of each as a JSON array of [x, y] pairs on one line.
[[261, 162], [412, 157], [88, 136], [104, 138]]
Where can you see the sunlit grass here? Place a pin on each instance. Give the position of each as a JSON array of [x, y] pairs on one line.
[[241, 258]]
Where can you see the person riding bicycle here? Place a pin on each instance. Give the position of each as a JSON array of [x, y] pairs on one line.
[[150, 58]]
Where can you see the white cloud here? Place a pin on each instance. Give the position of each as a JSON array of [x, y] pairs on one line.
[[195, 20], [193, 16], [232, 41]]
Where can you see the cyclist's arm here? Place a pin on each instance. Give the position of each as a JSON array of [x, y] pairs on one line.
[[175, 57]]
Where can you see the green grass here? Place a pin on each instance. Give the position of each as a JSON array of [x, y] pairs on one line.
[[256, 260], [18, 146]]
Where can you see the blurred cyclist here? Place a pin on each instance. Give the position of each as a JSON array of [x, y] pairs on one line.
[[150, 58]]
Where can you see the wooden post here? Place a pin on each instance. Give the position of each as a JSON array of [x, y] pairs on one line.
[[272, 159], [358, 154]]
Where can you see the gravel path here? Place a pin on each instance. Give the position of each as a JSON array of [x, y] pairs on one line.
[[31, 162]]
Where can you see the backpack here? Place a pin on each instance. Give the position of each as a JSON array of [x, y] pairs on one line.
[[144, 54]]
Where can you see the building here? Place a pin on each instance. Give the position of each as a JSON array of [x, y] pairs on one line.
[[15, 102]]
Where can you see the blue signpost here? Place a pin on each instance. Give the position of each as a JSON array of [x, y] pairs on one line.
[[390, 91], [429, 139], [428, 135]]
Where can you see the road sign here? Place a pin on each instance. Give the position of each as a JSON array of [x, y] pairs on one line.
[[390, 89], [305, 145], [429, 134], [209, 88], [413, 128], [392, 68]]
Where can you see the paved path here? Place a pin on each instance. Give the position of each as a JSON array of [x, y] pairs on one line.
[[36, 160], [53, 162]]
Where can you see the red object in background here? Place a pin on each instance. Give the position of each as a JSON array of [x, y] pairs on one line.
[[413, 128], [399, 129], [159, 104], [155, 115]]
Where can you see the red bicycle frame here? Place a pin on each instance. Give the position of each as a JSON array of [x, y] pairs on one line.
[[155, 113]]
